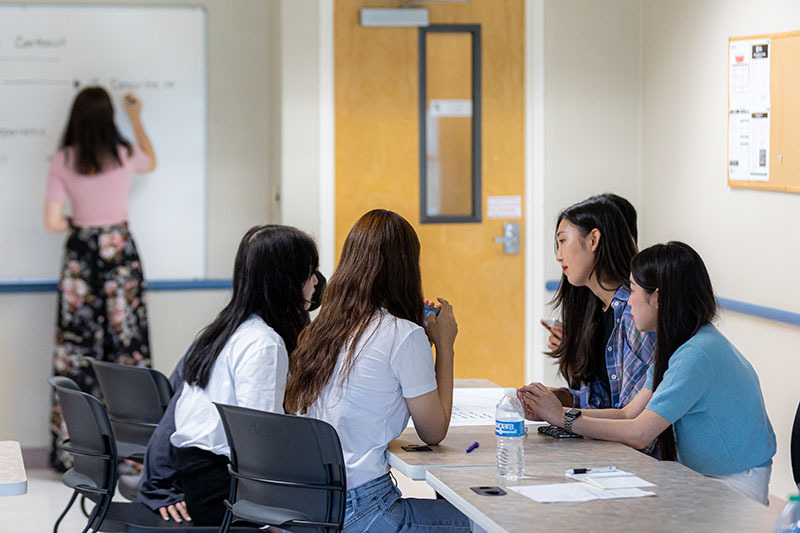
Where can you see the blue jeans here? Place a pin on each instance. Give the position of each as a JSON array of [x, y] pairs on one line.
[[378, 507]]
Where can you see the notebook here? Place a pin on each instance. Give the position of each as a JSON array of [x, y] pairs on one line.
[[610, 478]]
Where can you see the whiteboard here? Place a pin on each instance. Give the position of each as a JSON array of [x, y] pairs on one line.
[[47, 54]]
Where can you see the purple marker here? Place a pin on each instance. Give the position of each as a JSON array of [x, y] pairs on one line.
[[472, 446]]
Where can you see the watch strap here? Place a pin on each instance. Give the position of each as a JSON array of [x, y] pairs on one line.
[[569, 419], [568, 422]]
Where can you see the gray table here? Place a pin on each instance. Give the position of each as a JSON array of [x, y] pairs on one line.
[[13, 480], [451, 453], [685, 501]]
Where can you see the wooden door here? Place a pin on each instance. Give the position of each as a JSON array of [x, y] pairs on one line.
[[377, 166]]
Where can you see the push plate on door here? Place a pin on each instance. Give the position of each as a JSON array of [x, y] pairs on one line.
[[510, 238]]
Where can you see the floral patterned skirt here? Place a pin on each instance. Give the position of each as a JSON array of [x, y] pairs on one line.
[[101, 313]]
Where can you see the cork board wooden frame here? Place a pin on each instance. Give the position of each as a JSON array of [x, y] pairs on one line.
[[784, 150]]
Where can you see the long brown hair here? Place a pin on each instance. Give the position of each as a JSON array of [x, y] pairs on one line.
[[379, 268], [92, 133]]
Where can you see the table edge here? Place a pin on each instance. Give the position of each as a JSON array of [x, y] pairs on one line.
[[469, 510], [16, 488]]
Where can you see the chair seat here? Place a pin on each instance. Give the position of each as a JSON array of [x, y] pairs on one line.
[[128, 486], [264, 514], [73, 479], [129, 450], [136, 518]]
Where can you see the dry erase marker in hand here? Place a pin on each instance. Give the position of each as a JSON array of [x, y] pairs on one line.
[[472, 446]]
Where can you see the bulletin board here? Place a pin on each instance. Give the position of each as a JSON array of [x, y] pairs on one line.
[[764, 112]]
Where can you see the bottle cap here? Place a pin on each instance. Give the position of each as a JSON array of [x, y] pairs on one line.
[[510, 391]]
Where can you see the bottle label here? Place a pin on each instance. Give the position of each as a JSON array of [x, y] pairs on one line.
[[509, 429]]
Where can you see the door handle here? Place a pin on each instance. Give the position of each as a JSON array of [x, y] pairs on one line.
[[510, 238]]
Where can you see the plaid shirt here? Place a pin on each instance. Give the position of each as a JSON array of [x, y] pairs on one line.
[[629, 353]]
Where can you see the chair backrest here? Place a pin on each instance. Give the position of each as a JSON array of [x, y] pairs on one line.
[[796, 447], [287, 448], [91, 438], [135, 398]]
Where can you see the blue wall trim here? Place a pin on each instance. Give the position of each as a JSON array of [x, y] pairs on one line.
[[48, 285], [551, 286], [768, 313], [11, 287]]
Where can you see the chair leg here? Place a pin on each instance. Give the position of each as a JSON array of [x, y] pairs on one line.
[[106, 504], [66, 510], [226, 521], [83, 506], [92, 518]]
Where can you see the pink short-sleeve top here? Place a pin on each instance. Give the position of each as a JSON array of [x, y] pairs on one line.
[[97, 199]]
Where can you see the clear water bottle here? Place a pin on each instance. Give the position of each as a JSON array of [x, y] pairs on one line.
[[789, 521], [509, 430]]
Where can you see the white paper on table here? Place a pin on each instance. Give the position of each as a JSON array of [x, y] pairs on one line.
[[475, 407], [618, 479], [576, 492]]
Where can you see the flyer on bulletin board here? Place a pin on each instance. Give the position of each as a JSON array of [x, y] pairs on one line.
[[749, 110]]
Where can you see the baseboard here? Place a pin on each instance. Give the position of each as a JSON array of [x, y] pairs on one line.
[[36, 457]]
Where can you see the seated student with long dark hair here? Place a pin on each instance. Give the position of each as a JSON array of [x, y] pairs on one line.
[[365, 364], [241, 358], [602, 356], [160, 486], [702, 398], [628, 212]]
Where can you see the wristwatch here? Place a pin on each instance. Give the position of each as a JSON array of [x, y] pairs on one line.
[[569, 417]]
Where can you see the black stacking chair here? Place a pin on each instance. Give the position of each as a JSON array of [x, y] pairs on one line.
[[94, 453], [135, 399], [796, 447], [93, 475], [286, 471]]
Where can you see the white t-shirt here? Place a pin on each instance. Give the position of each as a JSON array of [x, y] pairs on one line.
[[394, 361], [250, 371]]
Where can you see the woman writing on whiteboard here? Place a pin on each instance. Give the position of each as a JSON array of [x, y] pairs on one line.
[[101, 311]]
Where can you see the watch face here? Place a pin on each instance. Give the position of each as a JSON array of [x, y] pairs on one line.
[[574, 413]]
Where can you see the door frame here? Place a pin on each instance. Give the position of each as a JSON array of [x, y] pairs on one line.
[[326, 239], [535, 238], [534, 195]]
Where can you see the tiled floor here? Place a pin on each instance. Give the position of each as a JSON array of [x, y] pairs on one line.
[[37, 511]]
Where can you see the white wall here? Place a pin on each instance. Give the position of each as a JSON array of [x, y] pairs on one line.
[[635, 103], [240, 194], [299, 139], [304, 150], [592, 110], [747, 238]]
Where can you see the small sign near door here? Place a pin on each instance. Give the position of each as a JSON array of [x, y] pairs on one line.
[[504, 207]]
